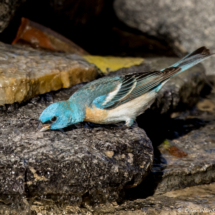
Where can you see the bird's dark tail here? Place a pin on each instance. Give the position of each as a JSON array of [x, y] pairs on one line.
[[191, 59]]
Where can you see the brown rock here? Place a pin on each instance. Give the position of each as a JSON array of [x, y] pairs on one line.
[[40, 37], [173, 150]]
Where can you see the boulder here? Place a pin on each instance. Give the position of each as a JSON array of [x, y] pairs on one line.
[[184, 149], [192, 200], [185, 25], [82, 165]]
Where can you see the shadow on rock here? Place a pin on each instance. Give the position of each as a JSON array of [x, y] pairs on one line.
[[160, 128]]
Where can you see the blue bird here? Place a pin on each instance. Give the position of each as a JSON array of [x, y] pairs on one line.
[[115, 99]]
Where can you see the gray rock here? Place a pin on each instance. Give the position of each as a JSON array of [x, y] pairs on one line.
[[184, 149], [82, 164], [185, 25], [193, 200], [7, 11]]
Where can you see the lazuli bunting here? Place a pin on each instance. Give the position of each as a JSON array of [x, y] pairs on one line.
[[115, 99]]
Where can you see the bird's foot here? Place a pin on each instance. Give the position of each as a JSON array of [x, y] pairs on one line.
[[128, 124], [134, 125], [131, 123]]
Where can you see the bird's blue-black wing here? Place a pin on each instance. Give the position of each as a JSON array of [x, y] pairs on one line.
[[135, 85]]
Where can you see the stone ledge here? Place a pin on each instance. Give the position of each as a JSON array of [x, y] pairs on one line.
[[25, 74]]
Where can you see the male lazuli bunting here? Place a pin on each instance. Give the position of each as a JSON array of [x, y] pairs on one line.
[[115, 99]]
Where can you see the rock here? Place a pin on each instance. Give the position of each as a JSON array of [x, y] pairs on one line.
[[32, 34], [109, 64], [7, 11], [25, 74], [80, 166], [184, 149], [193, 200], [183, 24]]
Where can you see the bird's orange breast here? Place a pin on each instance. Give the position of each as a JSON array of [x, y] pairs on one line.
[[95, 115]]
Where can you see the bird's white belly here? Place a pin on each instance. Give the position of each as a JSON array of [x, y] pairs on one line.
[[131, 109]]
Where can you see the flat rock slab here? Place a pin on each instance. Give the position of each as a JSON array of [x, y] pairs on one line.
[[82, 164], [28, 73]]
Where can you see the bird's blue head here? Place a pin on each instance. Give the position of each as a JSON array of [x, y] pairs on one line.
[[60, 115]]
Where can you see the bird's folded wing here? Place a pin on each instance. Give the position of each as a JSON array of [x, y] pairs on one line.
[[133, 86]]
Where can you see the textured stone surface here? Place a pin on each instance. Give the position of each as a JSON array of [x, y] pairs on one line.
[[185, 25], [193, 200], [184, 149], [7, 11], [196, 200], [25, 74], [81, 165]]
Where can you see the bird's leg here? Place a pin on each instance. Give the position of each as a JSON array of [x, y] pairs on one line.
[[129, 122]]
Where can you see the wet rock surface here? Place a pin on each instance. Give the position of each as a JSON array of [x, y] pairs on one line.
[[84, 164], [26, 73], [184, 24], [69, 172]]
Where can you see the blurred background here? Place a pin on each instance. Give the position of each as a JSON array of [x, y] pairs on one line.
[[119, 27]]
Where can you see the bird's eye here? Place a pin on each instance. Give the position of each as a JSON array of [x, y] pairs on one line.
[[53, 119]]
